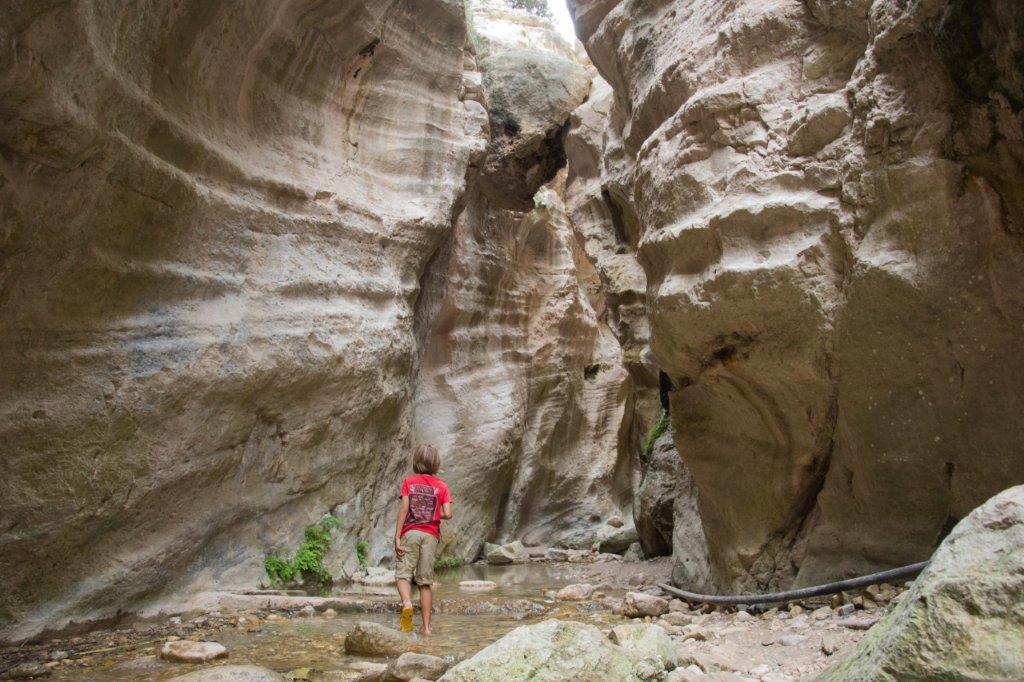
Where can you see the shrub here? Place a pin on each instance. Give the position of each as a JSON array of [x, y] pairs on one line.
[[361, 550], [538, 8], [446, 563], [308, 559], [659, 427]]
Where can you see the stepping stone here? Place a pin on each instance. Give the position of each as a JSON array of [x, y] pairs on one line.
[[187, 651], [477, 585]]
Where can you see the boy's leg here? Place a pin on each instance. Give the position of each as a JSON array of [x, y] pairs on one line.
[[425, 578], [404, 591], [426, 600], [403, 581]]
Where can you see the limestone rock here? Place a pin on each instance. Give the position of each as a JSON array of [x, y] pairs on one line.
[[512, 553], [477, 585], [550, 650], [578, 592], [961, 619], [639, 605], [633, 553], [822, 201], [230, 673], [373, 639], [411, 665], [188, 651], [619, 540], [645, 642]]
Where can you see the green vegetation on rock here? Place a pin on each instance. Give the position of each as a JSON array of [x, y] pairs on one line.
[[361, 549], [308, 559], [446, 563], [659, 427], [537, 8]]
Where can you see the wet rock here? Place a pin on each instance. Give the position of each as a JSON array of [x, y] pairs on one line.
[[410, 666], [618, 541], [58, 655], [374, 639], [477, 585], [376, 575], [550, 650], [645, 642], [25, 671], [511, 553], [577, 592], [639, 605], [633, 553], [231, 673], [187, 651], [308, 611], [829, 645], [329, 614], [962, 617]]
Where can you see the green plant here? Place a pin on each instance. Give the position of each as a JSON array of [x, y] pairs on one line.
[[659, 427], [446, 563], [308, 558], [361, 549]]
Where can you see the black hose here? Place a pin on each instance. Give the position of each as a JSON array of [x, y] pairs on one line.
[[803, 593]]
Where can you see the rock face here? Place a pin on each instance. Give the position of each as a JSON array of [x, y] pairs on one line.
[[249, 256], [961, 619], [551, 650], [826, 202]]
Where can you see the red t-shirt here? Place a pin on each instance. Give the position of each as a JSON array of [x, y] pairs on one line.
[[426, 495]]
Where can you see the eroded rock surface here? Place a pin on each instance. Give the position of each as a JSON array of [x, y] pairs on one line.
[[246, 260], [828, 210], [961, 619]]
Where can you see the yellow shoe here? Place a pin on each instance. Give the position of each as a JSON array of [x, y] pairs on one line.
[[405, 622]]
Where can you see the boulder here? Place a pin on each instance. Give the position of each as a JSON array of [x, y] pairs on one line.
[[556, 554], [639, 605], [619, 540], [645, 642], [550, 650], [410, 666], [187, 651], [962, 618], [230, 673], [577, 592], [511, 553], [374, 639], [654, 502], [634, 553]]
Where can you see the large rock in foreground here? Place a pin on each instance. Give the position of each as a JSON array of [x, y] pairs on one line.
[[962, 619], [552, 650], [374, 639]]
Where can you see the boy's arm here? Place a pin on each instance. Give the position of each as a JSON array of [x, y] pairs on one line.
[[403, 511], [446, 510]]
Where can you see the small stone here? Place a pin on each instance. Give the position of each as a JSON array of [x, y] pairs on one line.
[[638, 579], [58, 655], [795, 610], [858, 623], [633, 553], [696, 632], [770, 613], [187, 651], [374, 639], [330, 614], [829, 645], [836, 601], [791, 640], [821, 613], [174, 620], [477, 585], [677, 617], [638, 605], [577, 592], [555, 554], [846, 610], [742, 616], [616, 522], [308, 611], [858, 602], [678, 605], [173, 638], [759, 670], [410, 666]]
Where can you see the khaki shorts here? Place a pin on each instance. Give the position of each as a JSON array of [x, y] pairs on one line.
[[417, 563]]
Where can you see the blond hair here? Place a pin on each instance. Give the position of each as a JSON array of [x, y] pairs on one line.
[[426, 460]]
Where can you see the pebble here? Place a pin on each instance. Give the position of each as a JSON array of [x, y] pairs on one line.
[[795, 610], [308, 611], [829, 645], [821, 613], [790, 640], [330, 614], [187, 651], [846, 610], [742, 616], [577, 592], [759, 670], [58, 655], [859, 623]]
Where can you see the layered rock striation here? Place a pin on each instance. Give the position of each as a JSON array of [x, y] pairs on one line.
[[245, 263], [825, 201]]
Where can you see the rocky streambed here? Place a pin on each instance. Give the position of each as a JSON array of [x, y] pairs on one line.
[[306, 637]]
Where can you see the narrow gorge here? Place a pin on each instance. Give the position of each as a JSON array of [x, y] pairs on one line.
[[733, 288]]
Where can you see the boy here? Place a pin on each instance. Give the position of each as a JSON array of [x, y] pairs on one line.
[[425, 501]]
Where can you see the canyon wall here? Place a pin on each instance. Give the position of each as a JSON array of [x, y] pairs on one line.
[[249, 254], [825, 199]]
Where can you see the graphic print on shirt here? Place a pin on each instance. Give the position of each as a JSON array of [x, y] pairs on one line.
[[422, 504]]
